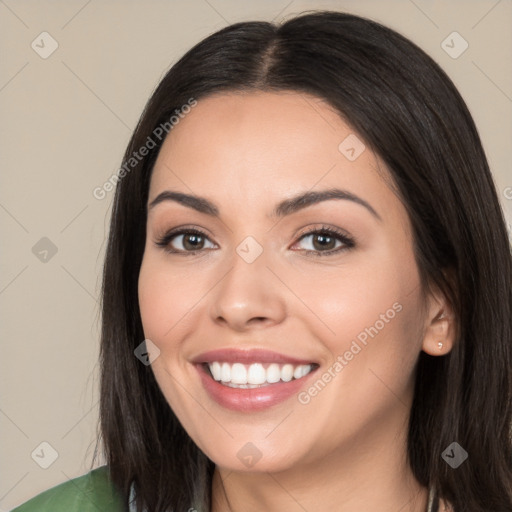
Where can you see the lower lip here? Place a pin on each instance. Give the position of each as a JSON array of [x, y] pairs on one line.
[[248, 400]]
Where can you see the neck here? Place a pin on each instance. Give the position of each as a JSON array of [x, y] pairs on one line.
[[275, 493], [373, 476]]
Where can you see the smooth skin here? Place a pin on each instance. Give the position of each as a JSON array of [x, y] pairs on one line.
[[345, 450]]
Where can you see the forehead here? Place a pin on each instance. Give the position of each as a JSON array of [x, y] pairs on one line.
[[251, 147]]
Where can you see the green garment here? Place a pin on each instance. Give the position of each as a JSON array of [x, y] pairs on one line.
[[91, 492]]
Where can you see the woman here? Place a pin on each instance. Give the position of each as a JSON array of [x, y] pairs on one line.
[[307, 287]]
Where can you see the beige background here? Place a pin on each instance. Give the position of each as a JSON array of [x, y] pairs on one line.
[[65, 121]]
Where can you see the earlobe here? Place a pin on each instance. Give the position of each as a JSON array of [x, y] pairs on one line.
[[439, 335]]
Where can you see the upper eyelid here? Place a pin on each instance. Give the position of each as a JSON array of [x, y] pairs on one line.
[[302, 232], [180, 231]]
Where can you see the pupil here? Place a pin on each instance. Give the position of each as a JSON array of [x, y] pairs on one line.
[[323, 239], [194, 239]]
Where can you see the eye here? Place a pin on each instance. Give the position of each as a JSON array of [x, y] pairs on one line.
[[326, 241], [190, 239], [323, 241]]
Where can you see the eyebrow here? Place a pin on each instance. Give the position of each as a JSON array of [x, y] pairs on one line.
[[282, 209]]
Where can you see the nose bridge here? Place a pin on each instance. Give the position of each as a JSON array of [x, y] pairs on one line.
[[248, 290]]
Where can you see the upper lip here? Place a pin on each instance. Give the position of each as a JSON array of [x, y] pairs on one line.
[[248, 356]]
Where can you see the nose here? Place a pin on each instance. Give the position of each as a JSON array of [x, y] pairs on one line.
[[248, 296]]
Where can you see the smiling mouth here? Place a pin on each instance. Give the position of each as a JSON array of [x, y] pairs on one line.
[[256, 375]]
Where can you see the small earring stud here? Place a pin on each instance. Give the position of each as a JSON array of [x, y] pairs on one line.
[[440, 345]]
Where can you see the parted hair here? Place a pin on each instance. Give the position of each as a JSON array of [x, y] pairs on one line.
[[407, 110]]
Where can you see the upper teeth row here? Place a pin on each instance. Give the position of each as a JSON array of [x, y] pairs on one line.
[[256, 373]]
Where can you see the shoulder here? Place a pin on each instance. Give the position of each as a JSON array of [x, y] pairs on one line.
[[90, 492]]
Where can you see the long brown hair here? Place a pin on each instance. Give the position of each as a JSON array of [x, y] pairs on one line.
[[410, 113]]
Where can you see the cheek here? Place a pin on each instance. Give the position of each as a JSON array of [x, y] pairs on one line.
[[373, 347], [167, 295], [370, 314], [349, 302], [166, 300]]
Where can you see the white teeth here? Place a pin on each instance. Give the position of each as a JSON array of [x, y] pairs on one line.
[[238, 374], [273, 373], [287, 373], [255, 375], [216, 370], [241, 386], [225, 373]]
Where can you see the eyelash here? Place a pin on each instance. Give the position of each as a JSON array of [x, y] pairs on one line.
[[348, 242]]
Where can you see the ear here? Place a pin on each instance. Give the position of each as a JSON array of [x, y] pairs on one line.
[[440, 326]]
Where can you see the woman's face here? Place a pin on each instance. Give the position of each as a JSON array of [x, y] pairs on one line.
[[264, 293]]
